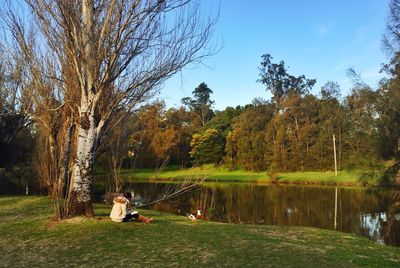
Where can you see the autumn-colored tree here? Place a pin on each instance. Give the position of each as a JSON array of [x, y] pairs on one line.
[[146, 122], [184, 124], [163, 143]]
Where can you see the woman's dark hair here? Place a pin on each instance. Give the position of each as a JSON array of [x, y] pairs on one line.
[[128, 195]]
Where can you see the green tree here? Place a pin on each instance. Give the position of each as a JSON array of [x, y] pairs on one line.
[[279, 82], [290, 135], [388, 107], [17, 139], [249, 130], [361, 141], [391, 41], [206, 147], [330, 121], [330, 91], [231, 150], [201, 103], [222, 121]]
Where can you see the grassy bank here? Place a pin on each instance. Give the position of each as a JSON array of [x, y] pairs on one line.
[[221, 174], [29, 239]]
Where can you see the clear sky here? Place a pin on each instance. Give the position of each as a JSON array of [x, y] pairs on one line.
[[318, 38]]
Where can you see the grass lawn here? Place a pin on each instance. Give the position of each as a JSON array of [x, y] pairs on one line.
[[28, 238], [344, 177], [221, 174]]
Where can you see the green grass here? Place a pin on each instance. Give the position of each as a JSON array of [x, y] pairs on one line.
[[221, 174], [28, 238], [321, 177]]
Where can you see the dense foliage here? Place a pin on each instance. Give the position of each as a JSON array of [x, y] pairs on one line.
[[296, 137]]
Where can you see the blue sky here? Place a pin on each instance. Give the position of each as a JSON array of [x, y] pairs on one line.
[[318, 38]]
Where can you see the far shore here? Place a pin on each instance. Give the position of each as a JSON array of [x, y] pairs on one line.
[[220, 174]]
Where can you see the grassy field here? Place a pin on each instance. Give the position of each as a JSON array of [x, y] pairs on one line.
[[28, 238], [221, 174]]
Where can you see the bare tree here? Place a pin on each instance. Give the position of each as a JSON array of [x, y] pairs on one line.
[[96, 56], [115, 147]]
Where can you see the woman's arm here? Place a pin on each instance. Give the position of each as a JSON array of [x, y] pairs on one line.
[[123, 208]]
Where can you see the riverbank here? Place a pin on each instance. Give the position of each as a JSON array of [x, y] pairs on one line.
[[221, 174], [29, 238]]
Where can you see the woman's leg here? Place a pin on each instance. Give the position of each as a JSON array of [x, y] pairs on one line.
[[129, 216], [145, 219]]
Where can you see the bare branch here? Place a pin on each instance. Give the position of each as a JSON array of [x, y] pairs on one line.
[[189, 184]]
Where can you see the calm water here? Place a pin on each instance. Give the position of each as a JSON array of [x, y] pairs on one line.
[[373, 214]]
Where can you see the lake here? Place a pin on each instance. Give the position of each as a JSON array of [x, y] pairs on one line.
[[373, 214]]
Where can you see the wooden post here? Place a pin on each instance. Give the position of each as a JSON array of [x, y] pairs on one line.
[[334, 153]]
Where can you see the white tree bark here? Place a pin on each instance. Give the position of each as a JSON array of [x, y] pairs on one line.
[[83, 167], [87, 129]]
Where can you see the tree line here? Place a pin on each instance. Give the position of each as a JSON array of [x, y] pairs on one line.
[[293, 133]]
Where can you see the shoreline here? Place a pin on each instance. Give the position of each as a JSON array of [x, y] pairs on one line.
[[346, 178]]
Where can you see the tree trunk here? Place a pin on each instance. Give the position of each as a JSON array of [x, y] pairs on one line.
[[396, 180], [65, 170], [80, 202], [397, 177]]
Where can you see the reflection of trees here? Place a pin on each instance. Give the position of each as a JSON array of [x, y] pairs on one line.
[[289, 205], [391, 229]]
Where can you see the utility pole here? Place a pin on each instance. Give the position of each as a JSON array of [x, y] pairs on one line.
[[334, 153]]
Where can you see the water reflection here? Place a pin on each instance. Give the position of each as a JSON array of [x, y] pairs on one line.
[[372, 214]]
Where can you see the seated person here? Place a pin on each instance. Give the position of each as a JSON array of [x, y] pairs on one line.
[[120, 213]]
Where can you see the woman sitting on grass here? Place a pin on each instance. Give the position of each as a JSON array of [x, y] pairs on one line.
[[120, 213]]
